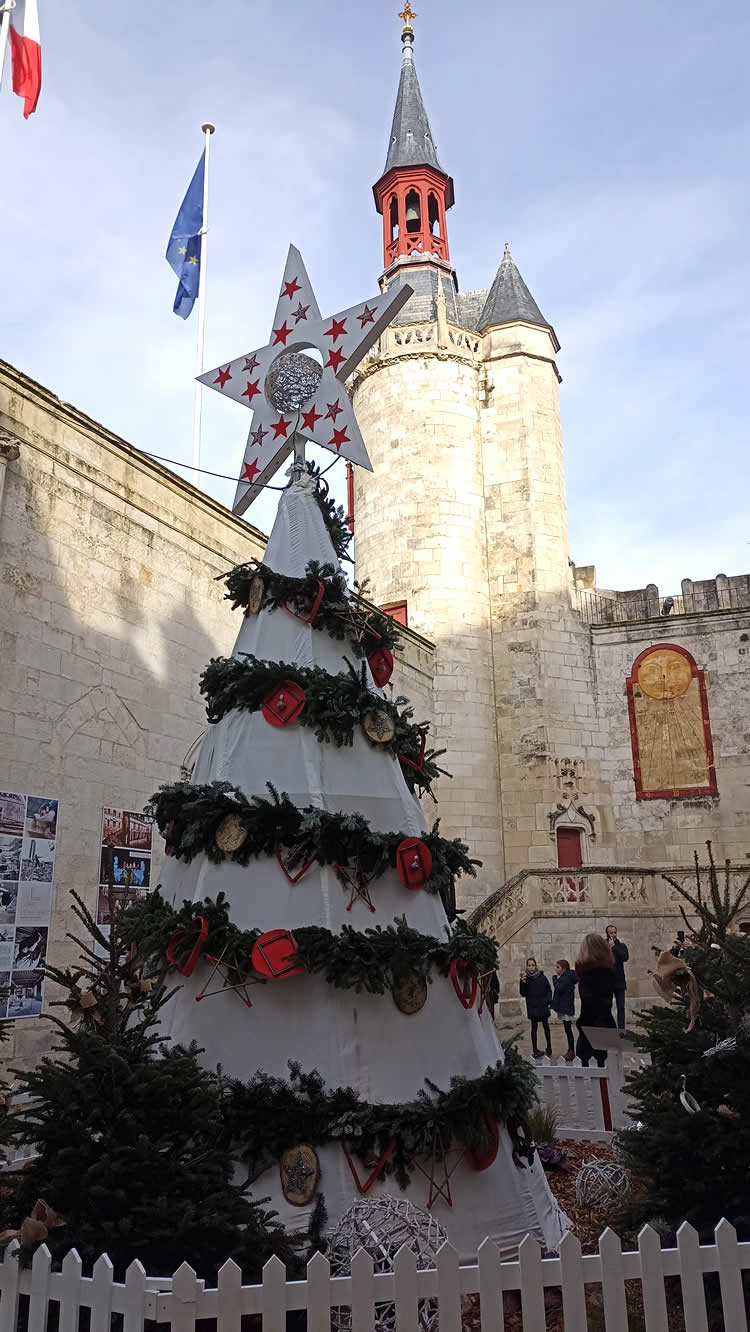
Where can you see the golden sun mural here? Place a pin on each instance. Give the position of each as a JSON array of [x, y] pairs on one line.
[[669, 725]]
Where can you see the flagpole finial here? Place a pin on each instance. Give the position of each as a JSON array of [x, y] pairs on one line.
[[208, 128]]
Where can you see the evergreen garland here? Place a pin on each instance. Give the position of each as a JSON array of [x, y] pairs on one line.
[[336, 608], [266, 1116], [188, 816], [368, 960], [334, 706]]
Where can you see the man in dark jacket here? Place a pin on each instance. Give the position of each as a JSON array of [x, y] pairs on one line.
[[620, 955]]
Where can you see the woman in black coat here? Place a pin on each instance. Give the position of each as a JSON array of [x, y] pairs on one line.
[[537, 991], [596, 987]]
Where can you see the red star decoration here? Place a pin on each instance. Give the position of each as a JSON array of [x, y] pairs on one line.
[[309, 419], [337, 329], [367, 316], [249, 471], [222, 377], [280, 428], [290, 288], [251, 363], [257, 436], [281, 334], [300, 312], [252, 390], [334, 408], [335, 359], [339, 437]]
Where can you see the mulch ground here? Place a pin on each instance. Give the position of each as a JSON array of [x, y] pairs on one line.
[[587, 1226]]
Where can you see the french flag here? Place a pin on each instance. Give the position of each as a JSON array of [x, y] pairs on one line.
[[26, 53]]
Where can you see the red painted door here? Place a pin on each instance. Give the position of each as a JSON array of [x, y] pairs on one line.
[[569, 856]]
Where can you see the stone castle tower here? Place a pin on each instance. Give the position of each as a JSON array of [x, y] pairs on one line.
[[464, 517]]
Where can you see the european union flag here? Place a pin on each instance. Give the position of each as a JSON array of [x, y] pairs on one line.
[[184, 248]]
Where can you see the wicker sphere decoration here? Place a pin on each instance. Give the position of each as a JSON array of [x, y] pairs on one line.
[[601, 1183], [292, 380], [381, 1226]]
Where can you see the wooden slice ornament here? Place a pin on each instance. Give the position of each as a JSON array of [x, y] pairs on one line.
[[276, 955], [378, 726], [311, 614], [87, 1000], [299, 1168], [231, 834], [414, 863], [409, 993], [283, 704], [381, 666], [255, 594]]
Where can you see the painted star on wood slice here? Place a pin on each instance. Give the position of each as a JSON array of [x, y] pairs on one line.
[[341, 340], [298, 1174]]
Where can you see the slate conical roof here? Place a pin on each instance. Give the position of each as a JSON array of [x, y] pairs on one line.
[[509, 299], [411, 142]]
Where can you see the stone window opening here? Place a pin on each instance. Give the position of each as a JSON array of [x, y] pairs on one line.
[[398, 611], [394, 218], [413, 212]]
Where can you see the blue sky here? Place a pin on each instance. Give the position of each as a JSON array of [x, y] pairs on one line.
[[608, 143]]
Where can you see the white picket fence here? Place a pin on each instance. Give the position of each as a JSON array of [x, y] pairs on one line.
[[181, 1300], [590, 1103]]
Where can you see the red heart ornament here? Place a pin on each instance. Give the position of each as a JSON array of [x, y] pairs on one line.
[[308, 619], [387, 1154], [275, 955], [457, 967], [416, 764], [293, 878], [381, 665], [482, 1160], [187, 933], [283, 704], [414, 863]]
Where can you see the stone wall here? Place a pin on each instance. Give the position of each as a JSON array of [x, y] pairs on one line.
[[108, 612], [420, 537]]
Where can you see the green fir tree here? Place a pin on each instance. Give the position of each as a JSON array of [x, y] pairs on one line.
[[130, 1133], [693, 1163]]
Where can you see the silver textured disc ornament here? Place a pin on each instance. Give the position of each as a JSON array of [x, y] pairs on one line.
[[292, 381], [601, 1183], [381, 1226]]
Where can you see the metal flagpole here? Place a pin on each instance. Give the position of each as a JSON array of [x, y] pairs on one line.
[[208, 130], [4, 30]]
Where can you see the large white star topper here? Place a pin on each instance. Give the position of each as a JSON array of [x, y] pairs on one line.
[[291, 397]]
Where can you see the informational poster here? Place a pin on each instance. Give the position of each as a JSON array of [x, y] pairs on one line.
[[28, 834], [125, 861]]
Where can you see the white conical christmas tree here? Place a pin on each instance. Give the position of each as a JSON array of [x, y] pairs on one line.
[[351, 1037]]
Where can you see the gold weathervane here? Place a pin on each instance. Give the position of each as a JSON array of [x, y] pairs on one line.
[[407, 14]]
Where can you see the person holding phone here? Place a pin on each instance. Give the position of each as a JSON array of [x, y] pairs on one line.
[[537, 991], [620, 956]]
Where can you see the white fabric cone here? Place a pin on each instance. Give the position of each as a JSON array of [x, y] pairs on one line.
[[357, 1040]]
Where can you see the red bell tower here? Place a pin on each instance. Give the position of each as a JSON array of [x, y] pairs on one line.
[[413, 194]]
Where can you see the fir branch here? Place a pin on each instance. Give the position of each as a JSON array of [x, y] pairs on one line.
[[334, 706], [267, 1115], [188, 816], [372, 959], [339, 612]]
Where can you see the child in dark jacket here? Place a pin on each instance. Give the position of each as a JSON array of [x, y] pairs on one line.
[[564, 1001], [537, 991]]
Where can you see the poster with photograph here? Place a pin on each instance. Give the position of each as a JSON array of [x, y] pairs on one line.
[[124, 862], [28, 839]]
